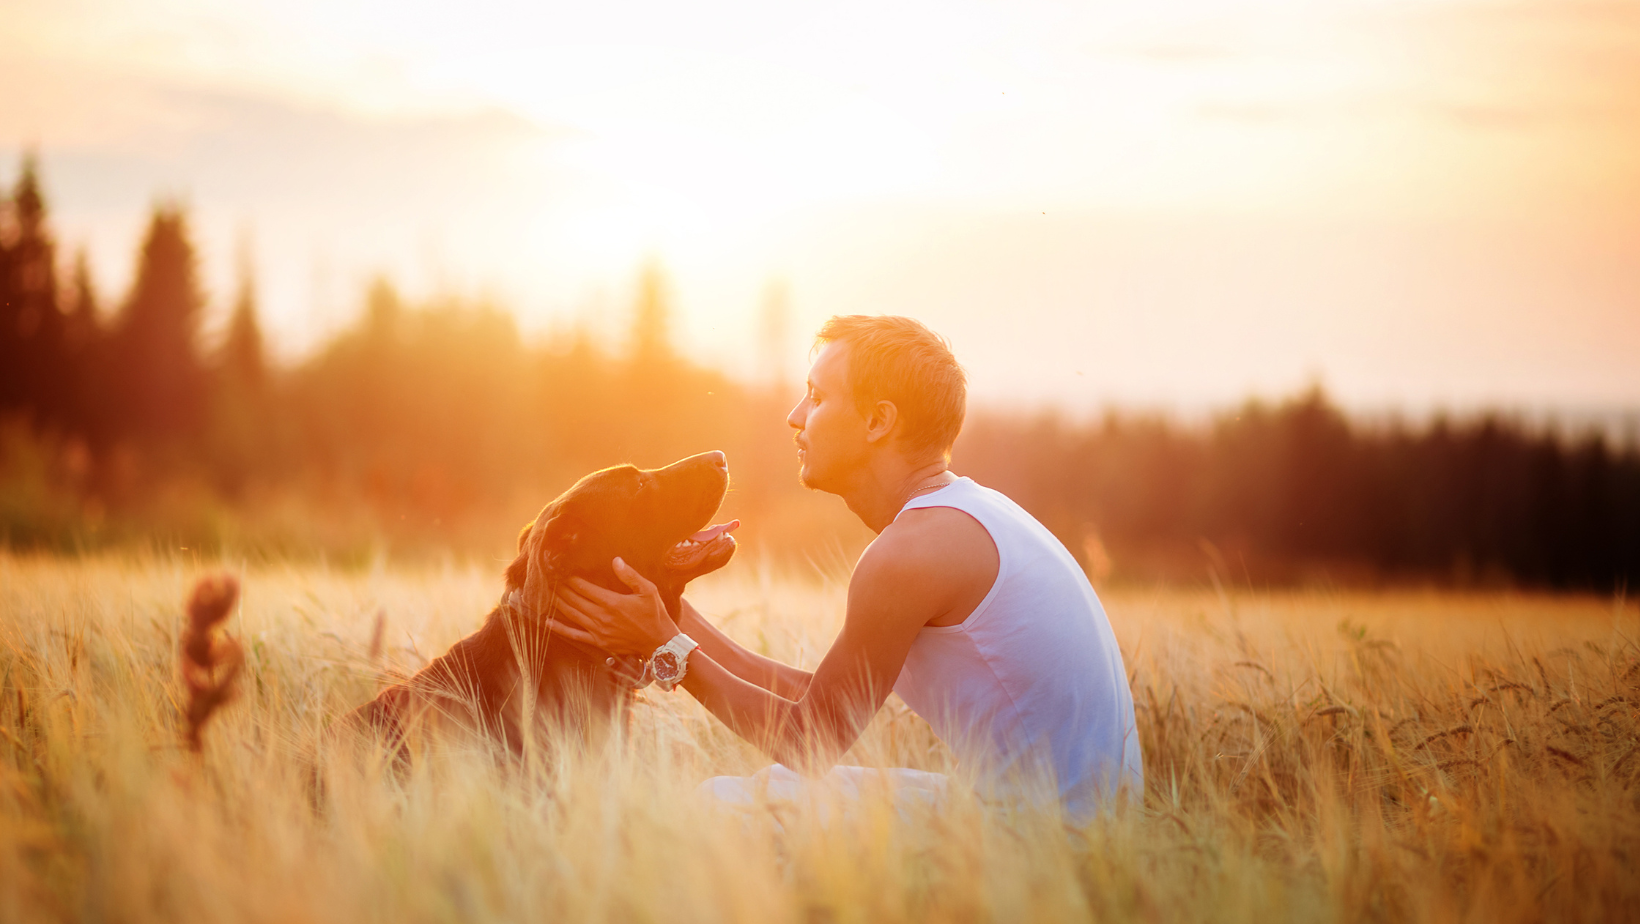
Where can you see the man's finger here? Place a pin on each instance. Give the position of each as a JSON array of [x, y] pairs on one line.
[[573, 633], [577, 611], [587, 620], [565, 601], [579, 586], [587, 590], [631, 578], [588, 599]]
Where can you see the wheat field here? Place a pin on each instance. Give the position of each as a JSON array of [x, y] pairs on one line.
[[1310, 756]]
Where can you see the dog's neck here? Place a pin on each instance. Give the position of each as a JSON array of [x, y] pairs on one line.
[[671, 594]]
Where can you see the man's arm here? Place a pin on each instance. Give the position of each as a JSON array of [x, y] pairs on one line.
[[891, 596], [778, 678], [930, 566]]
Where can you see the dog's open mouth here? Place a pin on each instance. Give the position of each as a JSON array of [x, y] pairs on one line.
[[705, 546]]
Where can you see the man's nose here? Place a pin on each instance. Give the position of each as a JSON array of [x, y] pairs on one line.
[[717, 458]]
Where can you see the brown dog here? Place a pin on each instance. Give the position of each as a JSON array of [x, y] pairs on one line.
[[512, 680]]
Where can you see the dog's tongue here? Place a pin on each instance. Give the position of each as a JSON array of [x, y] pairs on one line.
[[712, 532]]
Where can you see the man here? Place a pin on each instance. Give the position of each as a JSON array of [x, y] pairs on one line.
[[964, 604]]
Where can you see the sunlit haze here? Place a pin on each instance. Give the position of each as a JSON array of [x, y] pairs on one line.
[[1171, 204]]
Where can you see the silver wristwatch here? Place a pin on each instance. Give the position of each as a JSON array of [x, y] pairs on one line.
[[671, 661]]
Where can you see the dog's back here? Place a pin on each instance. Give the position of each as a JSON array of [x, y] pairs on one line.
[[508, 683]]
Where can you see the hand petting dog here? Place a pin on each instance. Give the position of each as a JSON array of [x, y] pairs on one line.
[[627, 625], [622, 624]]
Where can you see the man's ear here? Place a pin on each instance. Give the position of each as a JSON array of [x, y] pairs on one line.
[[880, 421]]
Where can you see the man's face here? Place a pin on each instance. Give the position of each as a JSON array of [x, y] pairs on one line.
[[831, 434]]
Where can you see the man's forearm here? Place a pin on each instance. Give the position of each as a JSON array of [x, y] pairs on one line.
[[785, 730], [781, 679]]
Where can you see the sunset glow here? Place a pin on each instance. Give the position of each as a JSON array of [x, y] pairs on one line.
[[1178, 203]]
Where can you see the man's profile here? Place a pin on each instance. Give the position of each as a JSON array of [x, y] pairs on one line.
[[964, 604]]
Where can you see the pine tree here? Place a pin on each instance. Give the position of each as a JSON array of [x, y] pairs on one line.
[[159, 381], [651, 344], [83, 352], [238, 441], [656, 396], [774, 330], [32, 374], [384, 314], [11, 350], [240, 359], [81, 323]]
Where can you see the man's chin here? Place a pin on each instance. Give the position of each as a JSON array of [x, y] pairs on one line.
[[815, 481]]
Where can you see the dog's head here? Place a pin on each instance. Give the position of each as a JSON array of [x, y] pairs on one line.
[[654, 519]]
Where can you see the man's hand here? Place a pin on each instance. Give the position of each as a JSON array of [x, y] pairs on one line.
[[622, 624]]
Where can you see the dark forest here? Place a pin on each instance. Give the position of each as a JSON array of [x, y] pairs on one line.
[[437, 426]]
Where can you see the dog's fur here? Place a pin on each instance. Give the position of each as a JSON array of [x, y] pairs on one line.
[[512, 680]]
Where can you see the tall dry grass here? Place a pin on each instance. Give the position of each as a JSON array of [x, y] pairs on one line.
[[1309, 757]]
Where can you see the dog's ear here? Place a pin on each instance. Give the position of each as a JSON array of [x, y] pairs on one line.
[[519, 570], [555, 539], [546, 546]]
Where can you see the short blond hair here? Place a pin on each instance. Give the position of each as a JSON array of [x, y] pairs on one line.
[[898, 359]]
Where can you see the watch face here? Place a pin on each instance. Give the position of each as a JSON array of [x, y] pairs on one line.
[[666, 667]]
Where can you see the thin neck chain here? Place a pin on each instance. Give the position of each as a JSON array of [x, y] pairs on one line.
[[925, 489]]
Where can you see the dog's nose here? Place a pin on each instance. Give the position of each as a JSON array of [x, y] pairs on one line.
[[718, 458]]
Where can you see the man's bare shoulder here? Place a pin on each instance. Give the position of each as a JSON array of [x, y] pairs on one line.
[[940, 558]]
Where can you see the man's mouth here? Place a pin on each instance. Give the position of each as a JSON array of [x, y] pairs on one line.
[[708, 543]]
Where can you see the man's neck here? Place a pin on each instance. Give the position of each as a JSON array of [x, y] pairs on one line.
[[883, 491]]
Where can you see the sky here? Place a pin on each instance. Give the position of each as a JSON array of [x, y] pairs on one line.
[[1171, 204]]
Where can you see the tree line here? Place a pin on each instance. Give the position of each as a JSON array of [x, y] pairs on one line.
[[1294, 490], [437, 423]]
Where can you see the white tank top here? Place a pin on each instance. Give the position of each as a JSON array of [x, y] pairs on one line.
[[1032, 681]]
